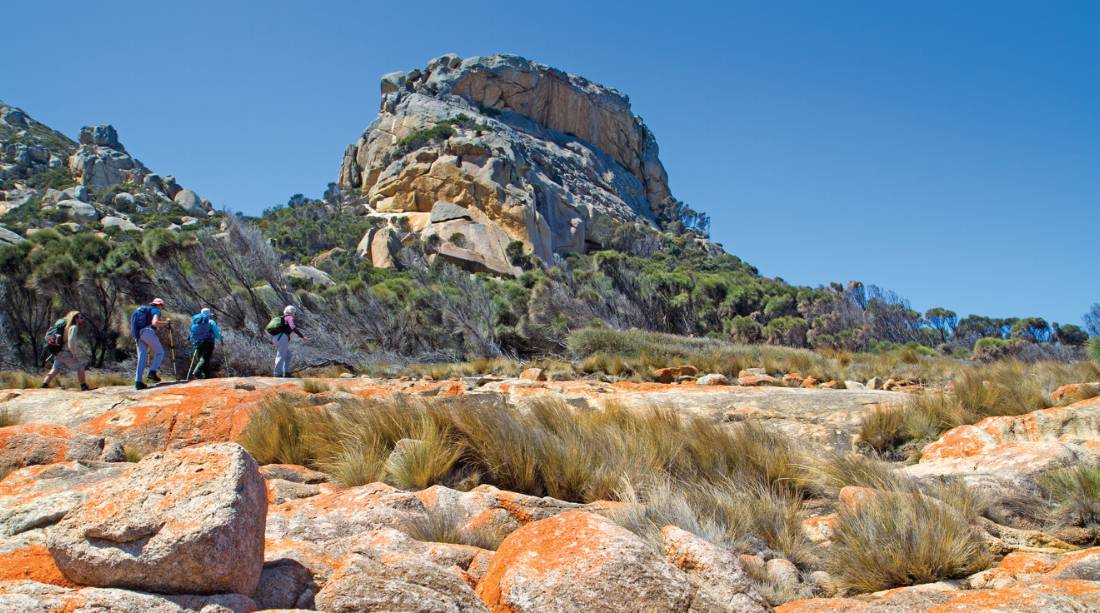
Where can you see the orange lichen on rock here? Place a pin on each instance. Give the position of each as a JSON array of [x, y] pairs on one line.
[[31, 563]]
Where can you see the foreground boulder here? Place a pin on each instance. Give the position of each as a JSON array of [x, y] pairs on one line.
[[32, 596], [376, 577], [189, 521], [579, 561], [712, 569]]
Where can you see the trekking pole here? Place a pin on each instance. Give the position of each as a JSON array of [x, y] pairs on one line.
[[172, 348], [192, 364], [225, 359]]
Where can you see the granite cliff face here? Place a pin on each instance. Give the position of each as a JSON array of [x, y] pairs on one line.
[[500, 149]]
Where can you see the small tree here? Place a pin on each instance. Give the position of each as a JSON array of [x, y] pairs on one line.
[[1092, 319], [1031, 329], [1071, 335], [943, 321]]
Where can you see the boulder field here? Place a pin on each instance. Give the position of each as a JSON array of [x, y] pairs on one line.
[[196, 525]]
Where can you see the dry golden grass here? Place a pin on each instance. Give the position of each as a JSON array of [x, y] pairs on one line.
[[447, 525], [1075, 492], [133, 454], [902, 538], [314, 386], [8, 417]]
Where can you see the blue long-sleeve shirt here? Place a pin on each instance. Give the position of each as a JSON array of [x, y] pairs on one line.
[[215, 330]]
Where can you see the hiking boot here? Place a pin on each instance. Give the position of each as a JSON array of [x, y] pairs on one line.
[[139, 386], [44, 385], [84, 387], [153, 376]]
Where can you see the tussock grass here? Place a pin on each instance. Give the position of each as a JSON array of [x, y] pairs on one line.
[[1075, 492], [18, 379], [902, 538], [547, 448], [976, 392], [740, 516], [133, 454], [447, 525], [314, 386], [8, 417], [836, 470]]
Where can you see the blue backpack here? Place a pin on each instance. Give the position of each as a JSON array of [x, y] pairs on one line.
[[200, 328], [141, 319]]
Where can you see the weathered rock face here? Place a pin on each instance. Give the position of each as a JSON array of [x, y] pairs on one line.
[[1002, 455], [578, 561], [534, 155], [189, 521], [34, 596], [30, 444]]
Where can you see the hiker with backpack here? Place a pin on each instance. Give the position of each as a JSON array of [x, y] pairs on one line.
[[61, 344], [204, 333], [280, 329], [144, 323]]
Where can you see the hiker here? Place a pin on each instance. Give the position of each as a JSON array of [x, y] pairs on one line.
[[144, 323], [61, 342], [204, 332], [280, 328]]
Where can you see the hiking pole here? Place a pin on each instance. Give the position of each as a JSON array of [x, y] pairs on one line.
[[192, 364], [172, 348], [225, 359]]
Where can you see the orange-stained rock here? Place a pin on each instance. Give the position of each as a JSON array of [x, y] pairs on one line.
[[31, 563], [35, 596], [809, 382], [29, 444], [293, 472], [712, 569], [579, 561], [672, 373], [756, 379], [1075, 392], [36, 497], [1083, 565], [533, 374], [382, 573], [189, 521], [819, 529], [1043, 597]]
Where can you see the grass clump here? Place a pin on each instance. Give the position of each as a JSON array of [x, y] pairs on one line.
[[1075, 492], [132, 454], [448, 525], [894, 539], [8, 417], [314, 386]]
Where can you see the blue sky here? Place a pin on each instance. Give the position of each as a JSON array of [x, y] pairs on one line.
[[948, 151]]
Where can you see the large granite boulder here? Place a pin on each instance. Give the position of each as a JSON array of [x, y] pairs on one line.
[[185, 522], [538, 155]]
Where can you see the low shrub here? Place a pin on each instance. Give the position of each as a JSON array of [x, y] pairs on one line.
[[314, 386]]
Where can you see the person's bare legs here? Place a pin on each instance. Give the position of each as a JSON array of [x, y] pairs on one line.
[[50, 376], [80, 375]]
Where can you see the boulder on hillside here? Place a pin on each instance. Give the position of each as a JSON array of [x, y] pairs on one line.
[[188, 522], [309, 274], [579, 561]]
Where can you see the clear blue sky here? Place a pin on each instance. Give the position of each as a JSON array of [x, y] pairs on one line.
[[949, 151]]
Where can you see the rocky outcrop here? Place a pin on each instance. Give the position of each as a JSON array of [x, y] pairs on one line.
[[578, 561], [514, 150], [184, 522], [34, 596], [31, 444], [1001, 456]]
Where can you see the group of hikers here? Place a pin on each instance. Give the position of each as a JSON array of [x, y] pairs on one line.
[[145, 322]]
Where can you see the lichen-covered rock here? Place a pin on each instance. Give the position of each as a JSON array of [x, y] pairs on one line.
[[712, 569], [579, 561], [376, 578], [30, 444], [531, 154], [188, 521], [36, 497], [34, 596]]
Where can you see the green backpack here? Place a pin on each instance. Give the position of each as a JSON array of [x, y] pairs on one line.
[[55, 337], [277, 326]]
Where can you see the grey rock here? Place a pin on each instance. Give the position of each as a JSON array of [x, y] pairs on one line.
[[313, 275], [123, 199], [118, 222], [78, 210], [189, 201], [445, 211], [713, 379], [7, 237], [101, 136]]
